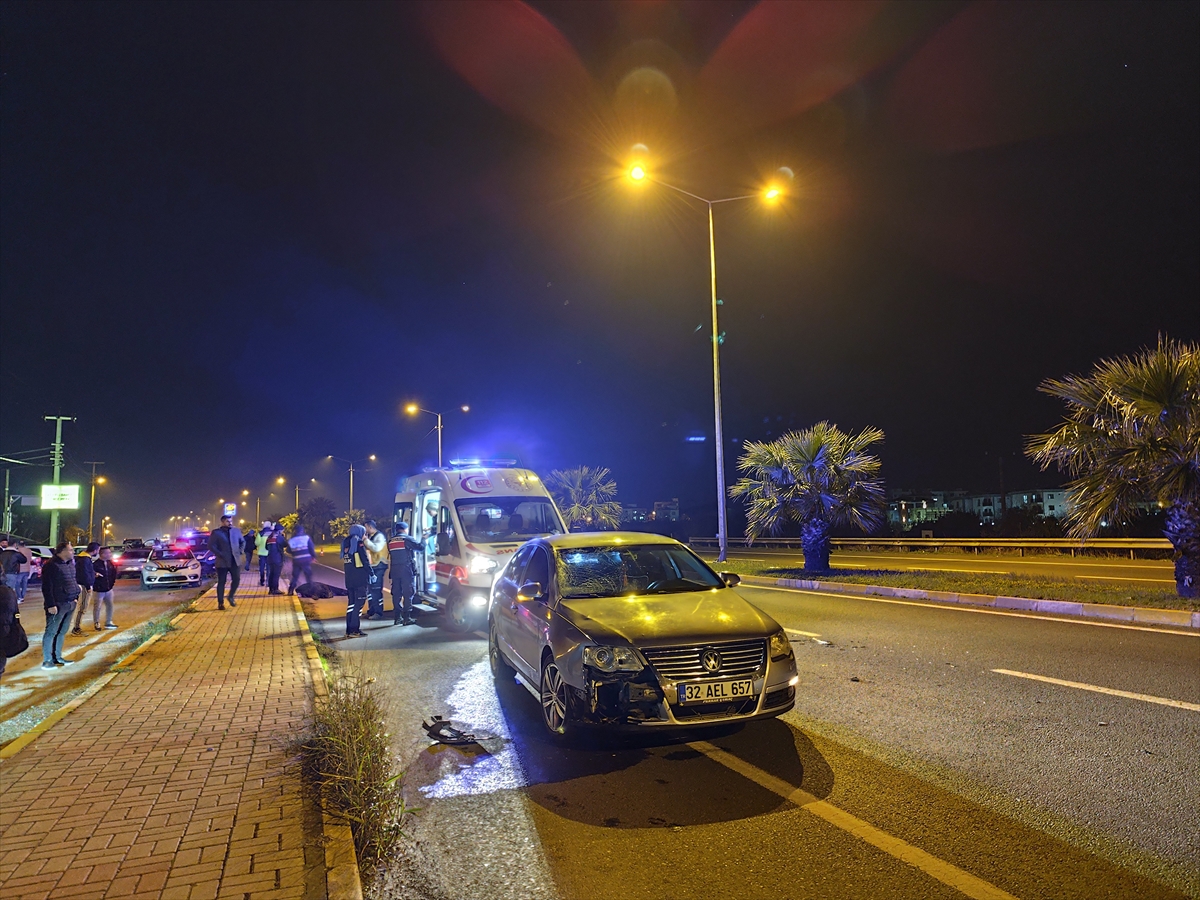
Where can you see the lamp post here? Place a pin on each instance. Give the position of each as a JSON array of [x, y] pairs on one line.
[[412, 409], [350, 463], [96, 479], [298, 490], [639, 172]]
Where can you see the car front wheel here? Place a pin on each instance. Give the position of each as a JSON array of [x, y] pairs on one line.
[[501, 670], [556, 702], [457, 618]]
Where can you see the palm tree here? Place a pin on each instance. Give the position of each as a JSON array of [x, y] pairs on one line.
[[1132, 436], [818, 478], [585, 497]]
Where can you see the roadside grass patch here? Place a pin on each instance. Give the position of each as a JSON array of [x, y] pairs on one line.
[[349, 754], [1034, 587]]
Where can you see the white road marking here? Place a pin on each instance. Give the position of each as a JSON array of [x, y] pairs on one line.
[[946, 873], [804, 633], [1129, 695], [973, 609]]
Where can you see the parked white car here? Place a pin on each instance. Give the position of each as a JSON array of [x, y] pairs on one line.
[[171, 567]]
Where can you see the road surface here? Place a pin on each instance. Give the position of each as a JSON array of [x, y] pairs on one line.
[[925, 758], [1148, 572]]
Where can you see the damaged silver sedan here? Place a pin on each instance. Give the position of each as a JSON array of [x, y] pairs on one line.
[[630, 629]]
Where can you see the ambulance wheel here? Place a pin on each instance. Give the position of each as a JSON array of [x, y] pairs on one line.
[[457, 617]]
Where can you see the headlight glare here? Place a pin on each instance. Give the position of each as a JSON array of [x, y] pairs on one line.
[[612, 659], [481, 565], [150, 567], [780, 646]]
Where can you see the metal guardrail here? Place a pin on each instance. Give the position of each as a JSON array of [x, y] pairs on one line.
[[1045, 545]]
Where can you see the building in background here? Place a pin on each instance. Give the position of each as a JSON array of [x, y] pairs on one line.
[[666, 510]]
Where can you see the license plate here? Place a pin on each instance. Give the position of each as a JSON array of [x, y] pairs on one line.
[[716, 691]]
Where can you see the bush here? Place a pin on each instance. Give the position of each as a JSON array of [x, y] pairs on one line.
[[350, 754]]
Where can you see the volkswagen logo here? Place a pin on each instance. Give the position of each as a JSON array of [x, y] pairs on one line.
[[711, 660]]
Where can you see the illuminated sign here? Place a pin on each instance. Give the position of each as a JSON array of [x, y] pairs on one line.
[[60, 496], [231, 509]]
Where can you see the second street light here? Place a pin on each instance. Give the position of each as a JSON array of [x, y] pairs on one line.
[[351, 463], [639, 173], [412, 409]]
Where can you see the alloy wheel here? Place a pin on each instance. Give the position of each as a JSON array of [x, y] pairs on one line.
[[554, 699]]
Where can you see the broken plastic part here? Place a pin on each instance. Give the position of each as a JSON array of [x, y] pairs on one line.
[[444, 733]]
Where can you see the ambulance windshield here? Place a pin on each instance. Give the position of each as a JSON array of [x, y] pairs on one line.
[[498, 519]]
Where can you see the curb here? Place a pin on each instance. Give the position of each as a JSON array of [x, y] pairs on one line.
[[342, 878], [1178, 618]]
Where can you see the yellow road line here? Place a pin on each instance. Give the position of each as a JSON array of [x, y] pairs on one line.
[[798, 631], [971, 609], [1126, 578], [946, 873], [1129, 695]]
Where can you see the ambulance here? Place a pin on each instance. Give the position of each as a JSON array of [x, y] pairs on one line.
[[470, 518]]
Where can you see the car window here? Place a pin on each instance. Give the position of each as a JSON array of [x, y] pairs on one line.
[[628, 569], [538, 569], [172, 554], [517, 567]]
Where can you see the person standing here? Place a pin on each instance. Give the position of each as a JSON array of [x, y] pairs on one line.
[[275, 545], [26, 571], [403, 559], [10, 563], [85, 574], [300, 548], [377, 555], [260, 547], [226, 543], [60, 591], [357, 569], [249, 541], [9, 617], [106, 580]]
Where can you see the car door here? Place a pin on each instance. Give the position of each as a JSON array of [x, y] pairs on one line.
[[532, 612], [504, 608]]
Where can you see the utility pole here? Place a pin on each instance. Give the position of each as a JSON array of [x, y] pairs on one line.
[[7, 504], [92, 505], [57, 458]]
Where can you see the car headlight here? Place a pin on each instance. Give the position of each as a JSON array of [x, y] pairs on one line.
[[781, 647], [150, 567], [481, 565], [193, 565], [612, 659]]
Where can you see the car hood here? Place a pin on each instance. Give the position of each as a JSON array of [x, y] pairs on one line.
[[668, 619]]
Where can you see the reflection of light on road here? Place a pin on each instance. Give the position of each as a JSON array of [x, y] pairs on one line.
[[475, 706]]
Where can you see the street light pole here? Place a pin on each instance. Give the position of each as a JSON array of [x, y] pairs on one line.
[[412, 409], [92, 506], [350, 463]]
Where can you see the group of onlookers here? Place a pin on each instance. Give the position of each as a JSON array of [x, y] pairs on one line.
[[269, 544]]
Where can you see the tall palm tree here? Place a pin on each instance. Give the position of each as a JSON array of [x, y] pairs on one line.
[[585, 497], [1131, 436], [818, 478]]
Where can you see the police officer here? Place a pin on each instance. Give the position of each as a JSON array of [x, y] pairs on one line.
[[402, 550]]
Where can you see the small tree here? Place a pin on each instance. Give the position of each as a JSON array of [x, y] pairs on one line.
[[818, 478], [340, 527], [585, 497], [316, 514], [1132, 435], [288, 522]]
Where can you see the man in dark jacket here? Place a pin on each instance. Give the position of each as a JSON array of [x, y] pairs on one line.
[[226, 544], [402, 552], [85, 575], [10, 562], [249, 539], [275, 545], [60, 591], [106, 580]]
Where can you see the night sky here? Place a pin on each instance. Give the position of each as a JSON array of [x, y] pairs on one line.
[[238, 237]]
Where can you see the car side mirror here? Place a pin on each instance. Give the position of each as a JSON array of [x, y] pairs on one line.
[[731, 579], [443, 544], [531, 590]]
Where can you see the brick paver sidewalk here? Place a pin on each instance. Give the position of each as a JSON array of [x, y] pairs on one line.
[[178, 779]]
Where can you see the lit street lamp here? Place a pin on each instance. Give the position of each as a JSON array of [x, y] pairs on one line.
[[299, 489], [638, 172], [412, 409], [350, 463]]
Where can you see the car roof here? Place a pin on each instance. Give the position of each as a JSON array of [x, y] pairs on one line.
[[607, 539]]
